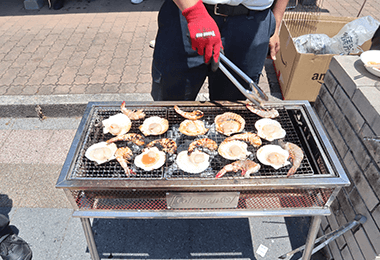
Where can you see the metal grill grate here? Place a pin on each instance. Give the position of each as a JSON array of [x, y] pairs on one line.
[[290, 120], [156, 200]]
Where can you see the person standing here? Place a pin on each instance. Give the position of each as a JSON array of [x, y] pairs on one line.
[[191, 34]]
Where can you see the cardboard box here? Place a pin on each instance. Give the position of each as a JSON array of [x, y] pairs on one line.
[[300, 75]]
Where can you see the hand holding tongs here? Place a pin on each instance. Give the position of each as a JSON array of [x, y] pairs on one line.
[[257, 96]]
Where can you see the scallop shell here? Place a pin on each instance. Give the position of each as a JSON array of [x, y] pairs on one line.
[[101, 152], [269, 129], [273, 155], [233, 150], [154, 126], [150, 159], [192, 127], [118, 124], [196, 162], [229, 123]]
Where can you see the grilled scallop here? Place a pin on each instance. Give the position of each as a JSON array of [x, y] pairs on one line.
[[154, 126], [229, 123], [269, 129], [233, 150], [150, 159], [273, 155], [192, 127], [101, 152], [196, 162], [118, 124]]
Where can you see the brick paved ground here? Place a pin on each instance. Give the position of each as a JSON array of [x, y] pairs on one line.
[[96, 47]]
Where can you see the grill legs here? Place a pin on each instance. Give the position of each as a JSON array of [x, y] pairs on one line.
[[311, 236], [90, 238]]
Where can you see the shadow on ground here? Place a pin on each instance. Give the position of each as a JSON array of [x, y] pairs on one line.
[[173, 238], [298, 229]]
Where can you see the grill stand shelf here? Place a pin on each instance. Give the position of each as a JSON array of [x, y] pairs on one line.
[[108, 194]]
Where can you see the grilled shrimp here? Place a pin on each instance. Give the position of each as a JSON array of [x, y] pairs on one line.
[[131, 137], [295, 154], [123, 154], [245, 166], [168, 145], [132, 114], [252, 138], [205, 142], [196, 114], [272, 113]]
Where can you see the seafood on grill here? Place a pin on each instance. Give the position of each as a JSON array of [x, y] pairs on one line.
[[196, 114], [269, 129], [229, 123], [123, 155], [130, 137], [168, 145], [266, 113], [154, 125], [203, 142], [150, 159], [233, 150], [249, 137], [245, 166], [196, 162], [101, 152], [295, 156], [192, 127], [132, 114], [273, 155], [117, 124]]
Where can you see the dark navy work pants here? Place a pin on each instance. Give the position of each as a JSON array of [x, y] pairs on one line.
[[178, 72]]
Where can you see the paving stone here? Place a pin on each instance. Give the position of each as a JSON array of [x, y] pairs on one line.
[[111, 88], [94, 88], [81, 79], [348, 108], [45, 89], [78, 89], [366, 100], [50, 80], [14, 90], [20, 80], [371, 230], [346, 254], [113, 78], [365, 244], [353, 245], [362, 184], [372, 175], [130, 74], [30, 90]]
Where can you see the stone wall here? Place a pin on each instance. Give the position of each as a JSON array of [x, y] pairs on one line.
[[348, 106]]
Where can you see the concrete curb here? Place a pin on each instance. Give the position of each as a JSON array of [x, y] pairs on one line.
[[71, 105]]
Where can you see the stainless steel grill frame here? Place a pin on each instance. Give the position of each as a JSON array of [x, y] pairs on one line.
[[110, 194]]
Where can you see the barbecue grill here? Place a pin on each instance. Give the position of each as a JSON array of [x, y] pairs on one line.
[[105, 191]]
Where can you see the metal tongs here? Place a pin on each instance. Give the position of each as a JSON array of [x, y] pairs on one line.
[[257, 96]]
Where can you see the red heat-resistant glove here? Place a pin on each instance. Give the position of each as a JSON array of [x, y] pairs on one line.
[[204, 33]]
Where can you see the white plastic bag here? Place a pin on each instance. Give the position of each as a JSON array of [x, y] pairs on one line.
[[312, 43], [348, 40]]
